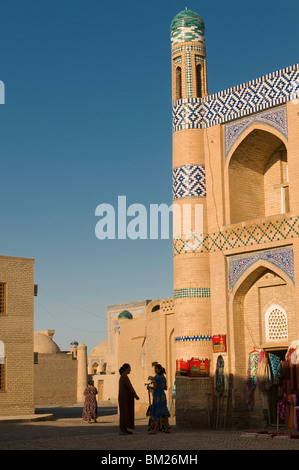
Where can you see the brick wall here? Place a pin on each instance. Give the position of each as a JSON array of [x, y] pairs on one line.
[[16, 332], [55, 379]]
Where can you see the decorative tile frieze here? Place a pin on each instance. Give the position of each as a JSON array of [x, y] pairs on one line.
[[283, 258], [193, 33], [188, 181], [198, 292], [189, 47], [240, 236], [187, 338], [275, 117], [252, 97]]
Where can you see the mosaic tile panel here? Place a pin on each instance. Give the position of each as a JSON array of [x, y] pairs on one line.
[[189, 181], [189, 47], [177, 60], [255, 96], [192, 292], [241, 236], [275, 117], [187, 34], [187, 26], [188, 73], [180, 339], [199, 59], [283, 258]]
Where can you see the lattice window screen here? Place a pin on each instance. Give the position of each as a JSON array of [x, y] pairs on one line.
[[276, 324]]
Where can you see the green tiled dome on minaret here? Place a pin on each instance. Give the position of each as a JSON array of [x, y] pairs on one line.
[[187, 26], [125, 314]]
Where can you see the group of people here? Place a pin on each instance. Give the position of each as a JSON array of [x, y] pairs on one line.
[[126, 401]]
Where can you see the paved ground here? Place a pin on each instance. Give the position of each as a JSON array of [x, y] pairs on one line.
[[67, 431]]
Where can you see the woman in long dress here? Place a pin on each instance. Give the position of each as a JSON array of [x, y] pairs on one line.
[[159, 408], [90, 409], [126, 401]]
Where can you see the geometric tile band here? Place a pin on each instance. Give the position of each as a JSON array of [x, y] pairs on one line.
[[188, 181], [275, 117], [240, 236], [179, 339], [192, 47], [192, 292], [283, 258], [252, 97], [183, 34]]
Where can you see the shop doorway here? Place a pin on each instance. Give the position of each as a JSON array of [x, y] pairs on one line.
[[273, 391]]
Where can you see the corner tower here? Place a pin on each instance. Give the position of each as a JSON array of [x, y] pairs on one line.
[[192, 310]]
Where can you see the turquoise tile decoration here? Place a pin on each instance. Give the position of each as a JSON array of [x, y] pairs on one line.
[[199, 292], [274, 117], [187, 26], [283, 258]]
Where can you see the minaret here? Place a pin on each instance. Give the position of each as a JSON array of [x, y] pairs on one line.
[[81, 371], [192, 315]]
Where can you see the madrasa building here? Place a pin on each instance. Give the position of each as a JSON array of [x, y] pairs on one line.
[[230, 331]]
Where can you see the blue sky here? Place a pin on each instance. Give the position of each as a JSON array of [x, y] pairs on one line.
[[88, 118]]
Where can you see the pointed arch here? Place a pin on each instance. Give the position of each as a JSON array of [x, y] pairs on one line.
[[178, 83], [253, 126], [257, 175]]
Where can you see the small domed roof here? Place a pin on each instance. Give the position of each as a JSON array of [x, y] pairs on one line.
[[43, 344], [125, 314], [101, 349], [187, 26]]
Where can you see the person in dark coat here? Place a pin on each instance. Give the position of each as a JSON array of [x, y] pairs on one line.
[[126, 397]]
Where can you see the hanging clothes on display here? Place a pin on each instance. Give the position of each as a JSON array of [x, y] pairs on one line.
[[281, 407], [292, 416], [249, 388], [275, 367], [251, 377], [219, 376], [290, 377], [262, 376], [289, 389], [253, 365]]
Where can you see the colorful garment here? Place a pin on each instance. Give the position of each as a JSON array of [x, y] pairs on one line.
[[159, 398], [275, 365], [253, 366], [249, 389], [263, 378], [90, 409], [291, 416], [219, 376], [281, 407]]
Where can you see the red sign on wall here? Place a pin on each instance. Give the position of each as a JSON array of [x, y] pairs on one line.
[[219, 343]]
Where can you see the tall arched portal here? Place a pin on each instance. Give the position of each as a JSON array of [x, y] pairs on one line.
[[258, 177]]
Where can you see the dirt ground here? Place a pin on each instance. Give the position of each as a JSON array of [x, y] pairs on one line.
[[67, 431]]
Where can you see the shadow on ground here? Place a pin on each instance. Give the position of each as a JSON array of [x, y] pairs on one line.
[[75, 411]]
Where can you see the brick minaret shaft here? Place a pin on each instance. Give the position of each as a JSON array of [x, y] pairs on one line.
[[192, 313]]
